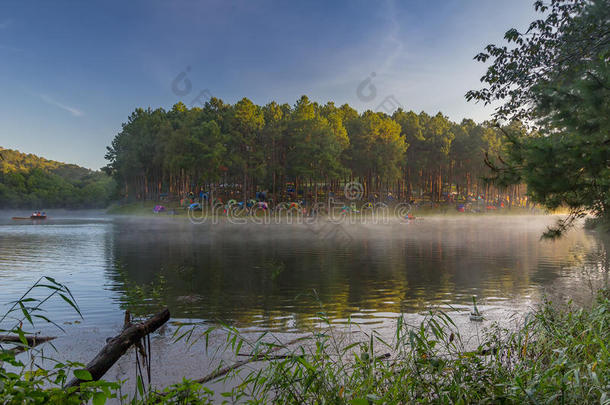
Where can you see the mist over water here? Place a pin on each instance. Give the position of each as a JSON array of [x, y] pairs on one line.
[[279, 276]]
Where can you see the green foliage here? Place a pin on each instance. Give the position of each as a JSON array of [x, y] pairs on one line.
[[255, 148], [376, 146], [315, 140], [556, 77], [28, 181], [28, 383], [557, 355]]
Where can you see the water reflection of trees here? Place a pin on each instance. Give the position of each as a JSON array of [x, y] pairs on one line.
[[266, 276], [580, 283]]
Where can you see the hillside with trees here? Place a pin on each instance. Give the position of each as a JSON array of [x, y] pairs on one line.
[[306, 149], [29, 181]]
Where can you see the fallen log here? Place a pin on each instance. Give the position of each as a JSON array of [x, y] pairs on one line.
[[118, 345], [252, 359], [32, 340], [259, 357]]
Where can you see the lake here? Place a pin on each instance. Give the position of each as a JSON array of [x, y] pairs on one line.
[[279, 277]]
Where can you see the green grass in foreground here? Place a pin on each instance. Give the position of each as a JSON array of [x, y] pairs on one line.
[[557, 355]]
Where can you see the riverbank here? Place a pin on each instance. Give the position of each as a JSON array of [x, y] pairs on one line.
[[556, 354], [146, 209]]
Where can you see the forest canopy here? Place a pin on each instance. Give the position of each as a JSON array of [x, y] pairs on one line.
[[29, 181], [309, 146]]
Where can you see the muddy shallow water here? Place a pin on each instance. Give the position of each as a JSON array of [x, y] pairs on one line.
[[278, 278]]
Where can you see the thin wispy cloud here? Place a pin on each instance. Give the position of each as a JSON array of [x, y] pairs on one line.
[[13, 49], [5, 24], [392, 38], [74, 111]]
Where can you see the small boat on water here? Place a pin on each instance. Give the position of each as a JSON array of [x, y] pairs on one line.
[[37, 215]]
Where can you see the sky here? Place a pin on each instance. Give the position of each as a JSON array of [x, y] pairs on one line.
[[72, 72]]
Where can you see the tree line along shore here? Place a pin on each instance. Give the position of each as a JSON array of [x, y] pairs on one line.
[[305, 151]]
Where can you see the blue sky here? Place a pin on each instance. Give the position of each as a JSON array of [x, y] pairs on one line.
[[71, 72]]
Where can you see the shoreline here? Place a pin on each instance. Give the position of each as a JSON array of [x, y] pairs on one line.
[[145, 209], [442, 343]]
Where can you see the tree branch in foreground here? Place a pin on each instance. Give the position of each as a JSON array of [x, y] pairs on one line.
[[118, 345]]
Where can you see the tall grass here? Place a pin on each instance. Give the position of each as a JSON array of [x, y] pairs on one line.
[[29, 383], [557, 355]]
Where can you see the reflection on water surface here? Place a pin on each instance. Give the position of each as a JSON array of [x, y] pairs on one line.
[[280, 276]]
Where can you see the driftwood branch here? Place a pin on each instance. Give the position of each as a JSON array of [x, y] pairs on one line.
[[260, 357], [256, 357], [118, 345], [32, 340]]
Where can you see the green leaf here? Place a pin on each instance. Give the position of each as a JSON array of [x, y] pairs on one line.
[[140, 385], [99, 398], [72, 304], [51, 287], [51, 279], [82, 374], [22, 337], [26, 313]]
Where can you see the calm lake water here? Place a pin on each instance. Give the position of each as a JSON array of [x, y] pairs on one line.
[[278, 277]]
